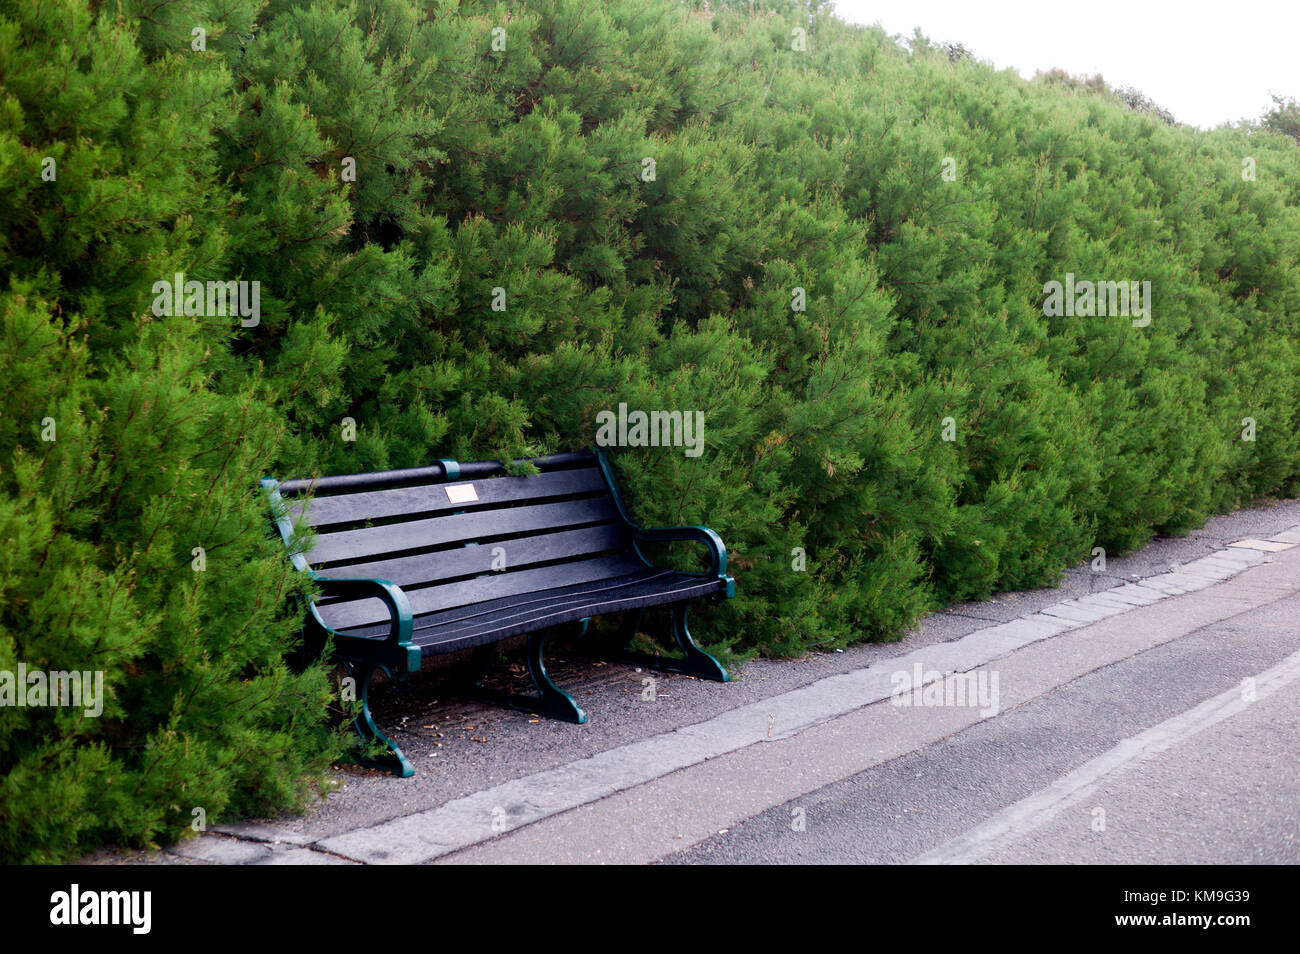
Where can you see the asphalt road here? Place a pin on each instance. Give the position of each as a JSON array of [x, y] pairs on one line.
[[1227, 792]]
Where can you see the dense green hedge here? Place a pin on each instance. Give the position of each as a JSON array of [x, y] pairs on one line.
[[778, 172]]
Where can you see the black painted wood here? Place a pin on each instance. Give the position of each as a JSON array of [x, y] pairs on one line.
[[443, 596], [568, 555], [553, 531], [517, 553], [479, 624], [371, 542], [432, 499]]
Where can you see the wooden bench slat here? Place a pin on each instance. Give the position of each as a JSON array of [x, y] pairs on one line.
[[506, 623], [458, 528], [433, 498], [520, 602], [471, 612], [430, 599], [477, 623], [519, 552]]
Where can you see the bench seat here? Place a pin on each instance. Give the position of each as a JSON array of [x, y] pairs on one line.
[[467, 627]]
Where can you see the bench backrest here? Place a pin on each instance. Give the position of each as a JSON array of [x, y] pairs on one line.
[[454, 534]]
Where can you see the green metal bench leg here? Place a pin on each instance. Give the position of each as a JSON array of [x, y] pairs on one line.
[[555, 702], [696, 663], [550, 701], [394, 761]]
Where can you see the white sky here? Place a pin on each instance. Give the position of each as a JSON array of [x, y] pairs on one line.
[[1207, 63]]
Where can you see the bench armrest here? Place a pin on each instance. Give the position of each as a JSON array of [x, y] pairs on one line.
[[717, 552], [399, 608]]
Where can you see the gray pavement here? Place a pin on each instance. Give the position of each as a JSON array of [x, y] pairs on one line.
[[983, 793]]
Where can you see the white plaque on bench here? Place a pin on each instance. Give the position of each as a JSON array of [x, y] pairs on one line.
[[462, 493]]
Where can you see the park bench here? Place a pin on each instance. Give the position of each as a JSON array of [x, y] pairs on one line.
[[454, 556]]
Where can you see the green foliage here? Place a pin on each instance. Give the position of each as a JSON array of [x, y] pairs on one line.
[[478, 225], [1284, 117]]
